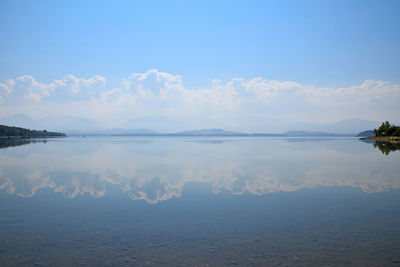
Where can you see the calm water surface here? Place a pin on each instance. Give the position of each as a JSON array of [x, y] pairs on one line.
[[199, 202]]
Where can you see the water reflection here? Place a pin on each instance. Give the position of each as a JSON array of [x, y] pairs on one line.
[[12, 142], [157, 170], [387, 147]]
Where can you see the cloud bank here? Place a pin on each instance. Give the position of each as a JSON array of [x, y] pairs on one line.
[[237, 104]]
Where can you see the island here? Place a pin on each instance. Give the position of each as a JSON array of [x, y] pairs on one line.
[[386, 137], [385, 133], [17, 132]]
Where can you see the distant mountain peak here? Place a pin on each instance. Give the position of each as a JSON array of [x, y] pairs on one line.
[[212, 131]]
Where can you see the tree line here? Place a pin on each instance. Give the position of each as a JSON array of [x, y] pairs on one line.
[[387, 129], [10, 131]]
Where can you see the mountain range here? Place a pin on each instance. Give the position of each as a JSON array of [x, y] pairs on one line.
[[159, 125], [60, 123]]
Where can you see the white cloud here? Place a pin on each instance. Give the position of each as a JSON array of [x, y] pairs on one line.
[[5, 88], [68, 89], [79, 85], [33, 96], [153, 83], [368, 91], [234, 103], [271, 88]]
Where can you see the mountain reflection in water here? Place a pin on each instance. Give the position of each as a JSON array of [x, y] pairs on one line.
[[156, 170]]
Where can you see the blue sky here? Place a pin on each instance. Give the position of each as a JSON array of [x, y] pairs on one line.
[[335, 44], [327, 43]]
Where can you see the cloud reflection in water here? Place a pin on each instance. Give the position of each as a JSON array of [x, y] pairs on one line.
[[158, 170]]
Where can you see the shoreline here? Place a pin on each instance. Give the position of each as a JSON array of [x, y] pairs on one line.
[[29, 137], [382, 138]]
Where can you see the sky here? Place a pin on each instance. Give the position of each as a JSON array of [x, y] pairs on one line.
[[234, 64]]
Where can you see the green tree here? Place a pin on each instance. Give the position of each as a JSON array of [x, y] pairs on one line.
[[387, 129]]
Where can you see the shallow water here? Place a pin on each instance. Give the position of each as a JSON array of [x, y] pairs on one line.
[[199, 201]]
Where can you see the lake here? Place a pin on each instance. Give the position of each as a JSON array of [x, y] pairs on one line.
[[198, 202]]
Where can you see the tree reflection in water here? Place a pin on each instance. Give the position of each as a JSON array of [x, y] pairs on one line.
[[387, 147], [12, 142]]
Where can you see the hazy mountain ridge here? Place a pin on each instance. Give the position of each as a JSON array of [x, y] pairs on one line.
[[366, 133], [159, 125], [209, 132], [119, 132], [205, 133], [313, 133], [59, 123], [21, 120]]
